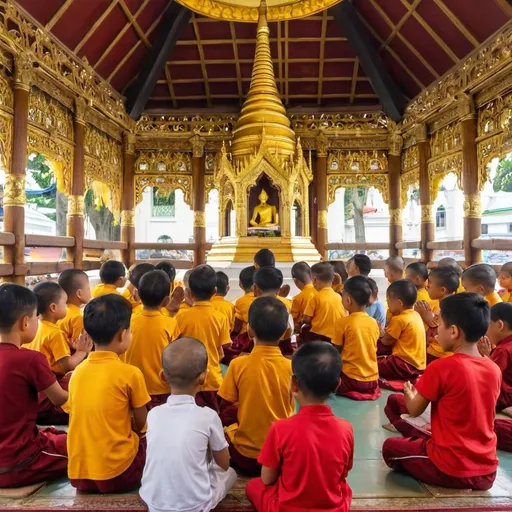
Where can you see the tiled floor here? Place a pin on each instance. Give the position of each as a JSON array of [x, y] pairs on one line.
[[375, 487]]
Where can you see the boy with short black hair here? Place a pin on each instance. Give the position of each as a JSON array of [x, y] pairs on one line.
[[219, 301], [356, 336], [394, 268], [453, 265], [481, 278], [417, 273], [136, 274], [187, 301], [168, 268], [376, 308], [259, 383], [359, 265], [460, 454], [264, 258], [340, 275], [107, 456], [179, 474], [301, 274], [33, 454], [298, 472], [112, 277], [505, 280]]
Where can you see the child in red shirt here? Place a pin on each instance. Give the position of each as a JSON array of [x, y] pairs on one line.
[[463, 389], [286, 482]]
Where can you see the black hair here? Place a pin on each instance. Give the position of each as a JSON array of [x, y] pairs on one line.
[[268, 317], [502, 311], [405, 291], [168, 268], [138, 271], [154, 287], [71, 280], [395, 263], [340, 269], [481, 274], [15, 302], [202, 282], [317, 368], [265, 258], [447, 277], [507, 268], [302, 272], [470, 312], [450, 263], [359, 289], [323, 271], [222, 283], [373, 285], [111, 271], [247, 277], [105, 316], [47, 293], [363, 263], [268, 279], [183, 361], [419, 268]]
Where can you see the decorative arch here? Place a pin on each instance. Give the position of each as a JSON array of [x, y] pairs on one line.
[[378, 181], [168, 183], [440, 168], [406, 180]]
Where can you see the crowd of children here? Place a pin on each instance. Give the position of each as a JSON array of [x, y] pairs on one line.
[[102, 360]]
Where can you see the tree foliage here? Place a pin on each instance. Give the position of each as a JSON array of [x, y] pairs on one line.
[[102, 220], [355, 201], [503, 179]]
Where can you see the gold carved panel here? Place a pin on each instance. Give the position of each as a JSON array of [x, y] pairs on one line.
[[168, 183], [5, 140], [440, 168], [445, 140], [209, 185], [378, 181], [163, 162], [357, 162], [408, 179], [6, 94], [410, 159]]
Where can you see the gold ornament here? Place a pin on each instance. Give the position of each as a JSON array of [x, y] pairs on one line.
[[198, 143], [322, 219], [396, 143], [427, 214], [419, 133], [128, 218], [76, 206], [465, 106], [23, 71], [199, 220], [472, 206], [395, 216], [129, 139], [80, 109], [322, 144], [14, 190]]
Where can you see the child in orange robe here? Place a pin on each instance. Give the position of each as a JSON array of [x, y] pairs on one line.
[[417, 273], [219, 301], [453, 265], [481, 278], [112, 277], [359, 265], [301, 274], [505, 280]]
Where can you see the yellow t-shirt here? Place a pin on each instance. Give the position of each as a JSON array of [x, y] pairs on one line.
[[300, 301], [507, 297], [325, 308], [73, 323], [102, 393], [52, 342], [493, 298], [358, 334], [260, 383], [434, 348], [461, 288], [104, 289], [128, 295], [408, 329], [424, 296], [338, 288], [211, 328], [151, 333], [227, 308], [242, 306]]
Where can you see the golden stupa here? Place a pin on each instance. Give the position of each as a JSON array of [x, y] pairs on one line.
[[265, 160]]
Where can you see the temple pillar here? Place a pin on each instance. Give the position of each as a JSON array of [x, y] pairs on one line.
[[322, 146], [198, 198], [427, 219], [128, 199], [396, 142], [75, 221], [470, 180], [15, 177]]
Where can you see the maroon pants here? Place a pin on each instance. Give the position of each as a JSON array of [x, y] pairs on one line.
[[410, 456], [503, 429], [49, 464], [431, 358], [358, 390], [125, 482], [242, 464], [286, 347], [307, 336], [208, 399], [264, 498], [228, 413], [394, 368], [49, 414], [383, 350], [242, 343], [395, 407], [157, 400]]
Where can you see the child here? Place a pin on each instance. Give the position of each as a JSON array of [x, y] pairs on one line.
[[187, 302], [179, 474], [359, 265], [453, 265], [324, 308], [259, 383], [340, 275], [218, 300], [264, 258], [306, 458], [463, 389], [209, 326], [134, 276], [394, 269], [33, 454], [78, 290], [375, 307], [356, 337], [151, 333], [107, 405], [405, 334], [301, 274], [417, 273], [505, 280], [128, 291], [169, 269], [481, 278], [112, 276]]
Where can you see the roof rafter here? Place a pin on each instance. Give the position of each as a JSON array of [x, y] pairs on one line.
[[237, 65], [354, 81], [133, 22], [322, 53], [462, 28], [58, 15], [202, 60], [399, 25], [505, 6]]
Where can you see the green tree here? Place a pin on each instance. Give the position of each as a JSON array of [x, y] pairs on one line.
[[355, 201], [503, 179], [102, 220]]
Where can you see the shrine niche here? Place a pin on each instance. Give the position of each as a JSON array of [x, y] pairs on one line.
[[263, 208]]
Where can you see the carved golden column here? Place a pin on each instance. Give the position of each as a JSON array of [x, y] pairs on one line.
[[395, 142], [470, 181], [75, 225], [15, 178], [322, 146], [128, 199], [198, 198]]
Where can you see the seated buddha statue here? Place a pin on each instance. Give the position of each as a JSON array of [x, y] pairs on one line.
[[265, 213]]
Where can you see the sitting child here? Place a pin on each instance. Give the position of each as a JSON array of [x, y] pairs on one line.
[[128, 291], [463, 389], [76, 285], [112, 277], [394, 269], [481, 278], [324, 308], [505, 280], [28, 454], [168, 268], [376, 308], [138, 271], [107, 405], [179, 474], [264, 258], [219, 301], [405, 334], [306, 458], [259, 383], [417, 273], [151, 333], [356, 337], [187, 302], [452, 264], [359, 265], [340, 275], [172, 307], [301, 274]]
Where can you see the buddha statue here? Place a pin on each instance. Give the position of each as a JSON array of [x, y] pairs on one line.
[[267, 213]]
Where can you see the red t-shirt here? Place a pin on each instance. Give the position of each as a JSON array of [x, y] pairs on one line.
[[463, 391], [502, 356], [23, 373], [314, 451]]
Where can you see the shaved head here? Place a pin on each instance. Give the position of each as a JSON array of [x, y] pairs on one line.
[[395, 263], [183, 361], [450, 263]]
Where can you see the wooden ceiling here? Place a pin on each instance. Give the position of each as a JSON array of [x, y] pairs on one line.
[[210, 66]]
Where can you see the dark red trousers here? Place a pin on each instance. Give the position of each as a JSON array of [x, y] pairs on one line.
[[307, 336], [50, 414], [125, 482], [358, 390], [157, 400], [49, 464], [208, 399], [431, 358], [242, 343], [383, 350], [394, 368], [286, 347], [242, 464], [228, 413], [409, 455], [395, 407], [264, 498], [503, 429]]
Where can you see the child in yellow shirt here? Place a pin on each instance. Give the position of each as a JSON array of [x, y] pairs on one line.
[[219, 301], [394, 269], [134, 278], [112, 277], [187, 301], [301, 274], [264, 258], [481, 278], [505, 280], [359, 265], [417, 274], [128, 291], [452, 264], [340, 275]]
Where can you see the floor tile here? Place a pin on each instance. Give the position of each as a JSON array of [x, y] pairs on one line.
[[60, 488]]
